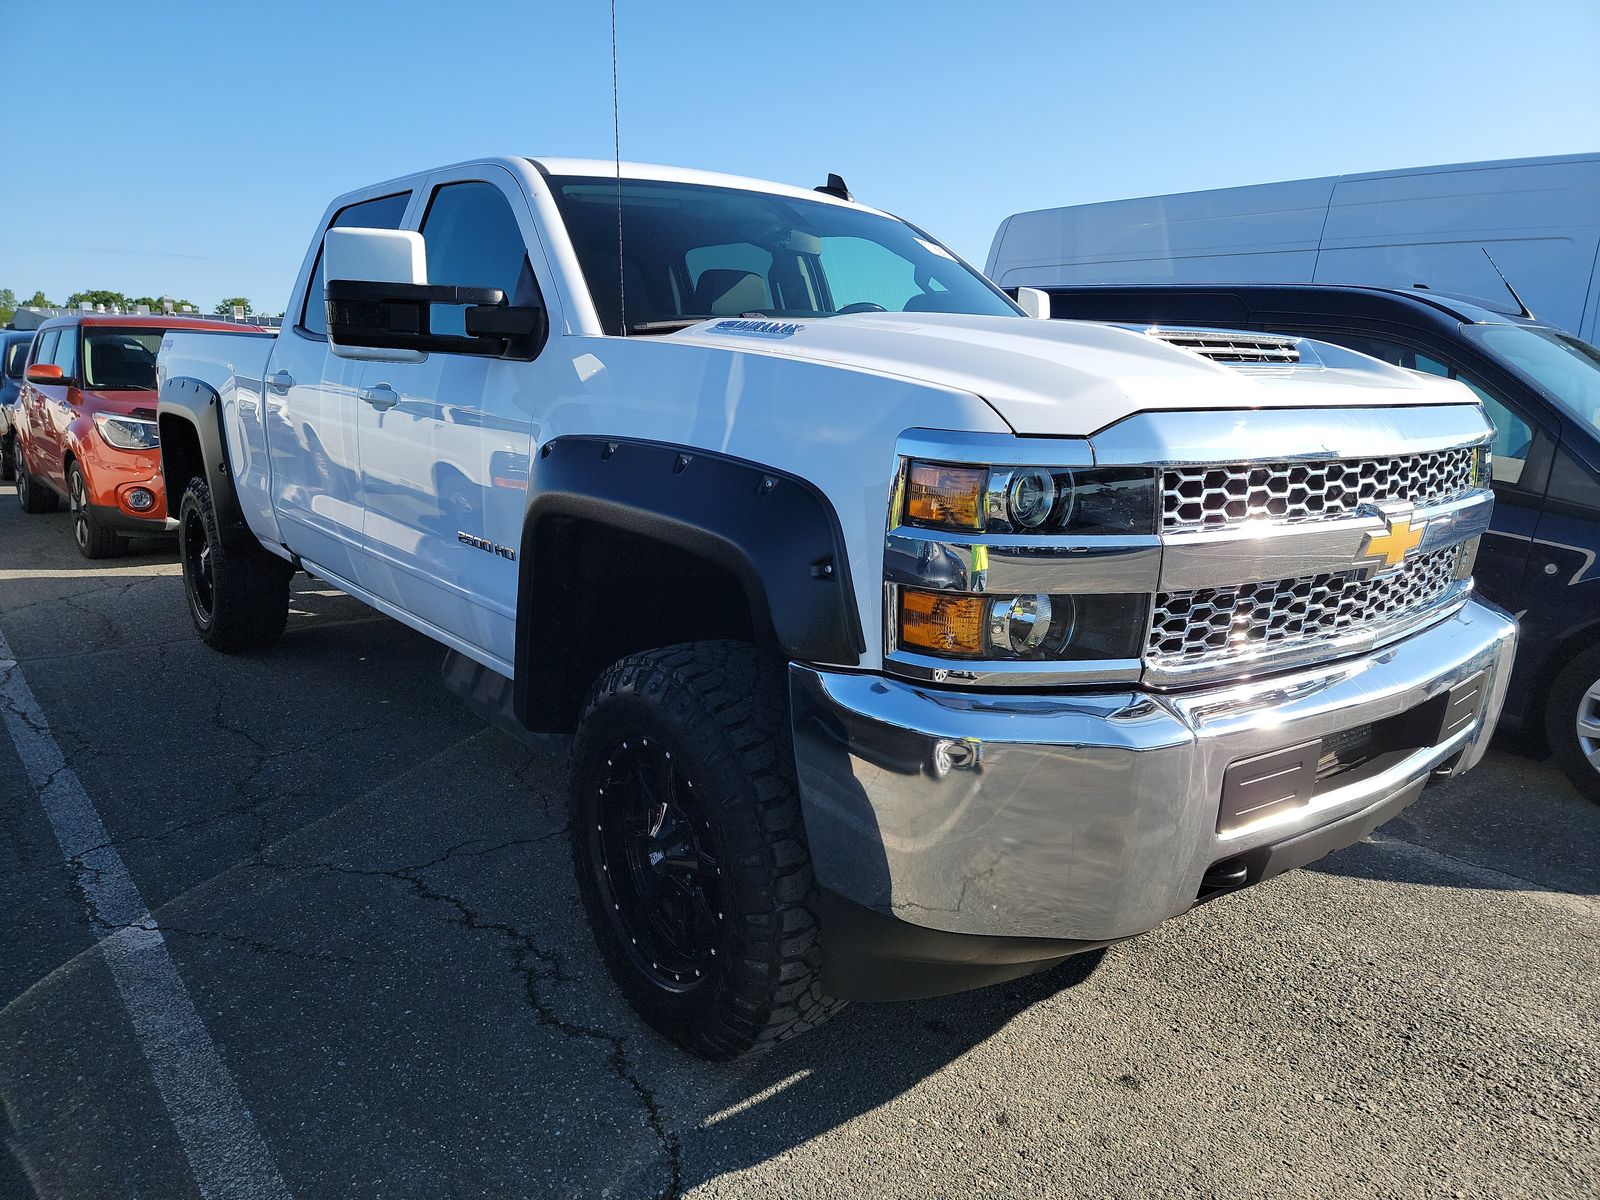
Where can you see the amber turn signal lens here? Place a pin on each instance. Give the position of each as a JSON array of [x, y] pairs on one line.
[[948, 497], [941, 624]]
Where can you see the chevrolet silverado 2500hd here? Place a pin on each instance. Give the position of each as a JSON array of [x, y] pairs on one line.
[[906, 644]]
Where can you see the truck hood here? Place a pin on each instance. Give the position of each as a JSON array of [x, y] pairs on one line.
[[1071, 378]]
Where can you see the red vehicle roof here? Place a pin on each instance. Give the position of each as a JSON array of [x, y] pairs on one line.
[[153, 321]]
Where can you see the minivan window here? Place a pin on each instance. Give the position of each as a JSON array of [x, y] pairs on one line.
[[692, 251], [474, 241], [1558, 364], [384, 212]]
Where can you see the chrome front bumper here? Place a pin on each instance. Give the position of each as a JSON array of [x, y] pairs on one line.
[[1090, 818]]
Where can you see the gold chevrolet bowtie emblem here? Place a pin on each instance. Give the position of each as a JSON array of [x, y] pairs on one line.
[[1398, 538]]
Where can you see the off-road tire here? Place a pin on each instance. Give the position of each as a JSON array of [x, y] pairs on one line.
[[719, 710], [93, 539], [1568, 702], [238, 594], [35, 497]]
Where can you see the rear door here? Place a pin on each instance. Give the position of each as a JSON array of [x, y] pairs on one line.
[[445, 442], [32, 417], [310, 415]]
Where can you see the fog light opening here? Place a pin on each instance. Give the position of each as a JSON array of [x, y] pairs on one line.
[[140, 499]]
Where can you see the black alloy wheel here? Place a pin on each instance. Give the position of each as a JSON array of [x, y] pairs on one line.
[[199, 572]]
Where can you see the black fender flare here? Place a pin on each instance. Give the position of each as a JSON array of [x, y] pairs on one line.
[[195, 407], [772, 531]]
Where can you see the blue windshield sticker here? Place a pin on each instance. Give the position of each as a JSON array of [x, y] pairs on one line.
[[753, 328]]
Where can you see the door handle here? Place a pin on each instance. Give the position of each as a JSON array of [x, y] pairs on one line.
[[280, 382], [383, 397]]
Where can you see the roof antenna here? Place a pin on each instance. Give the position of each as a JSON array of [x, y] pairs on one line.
[[1525, 312], [616, 150], [834, 187]]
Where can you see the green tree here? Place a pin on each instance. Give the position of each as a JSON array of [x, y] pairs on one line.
[[8, 305], [98, 296], [39, 301], [225, 308]]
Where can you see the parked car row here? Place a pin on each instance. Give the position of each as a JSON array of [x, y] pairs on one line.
[[80, 425]]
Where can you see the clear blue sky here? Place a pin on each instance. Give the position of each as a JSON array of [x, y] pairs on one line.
[[188, 149]]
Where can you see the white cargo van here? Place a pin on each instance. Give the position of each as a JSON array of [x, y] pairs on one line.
[[1538, 217]]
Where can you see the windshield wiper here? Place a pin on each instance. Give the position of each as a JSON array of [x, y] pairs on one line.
[[667, 326]]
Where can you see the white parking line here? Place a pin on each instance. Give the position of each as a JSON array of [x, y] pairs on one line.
[[224, 1149]]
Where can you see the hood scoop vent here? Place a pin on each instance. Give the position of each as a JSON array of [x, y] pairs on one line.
[[1231, 345]]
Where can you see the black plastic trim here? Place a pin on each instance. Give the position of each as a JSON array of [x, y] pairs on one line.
[[196, 404], [773, 532]]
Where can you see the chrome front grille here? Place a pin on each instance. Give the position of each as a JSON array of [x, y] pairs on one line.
[[1217, 497], [1213, 625]]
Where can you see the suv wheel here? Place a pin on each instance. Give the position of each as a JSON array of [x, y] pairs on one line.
[[93, 540], [33, 496], [690, 851], [1572, 722], [238, 595]]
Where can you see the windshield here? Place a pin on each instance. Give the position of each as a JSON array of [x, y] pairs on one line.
[[117, 359], [693, 251], [1562, 366]]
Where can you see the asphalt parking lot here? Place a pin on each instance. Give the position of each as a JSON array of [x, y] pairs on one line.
[[362, 901]]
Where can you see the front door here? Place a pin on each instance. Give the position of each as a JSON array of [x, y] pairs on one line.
[[445, 442], [310, 402]]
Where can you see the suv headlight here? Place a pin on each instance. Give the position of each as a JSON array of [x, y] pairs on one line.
[[1029, 499], [128, 433]]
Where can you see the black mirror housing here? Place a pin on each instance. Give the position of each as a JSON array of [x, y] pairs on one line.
[[398, 316]]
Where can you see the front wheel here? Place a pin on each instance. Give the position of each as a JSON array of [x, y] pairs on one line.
[[1572, 722], [34, 496], [690, 851], [238, 594], [93, 540]]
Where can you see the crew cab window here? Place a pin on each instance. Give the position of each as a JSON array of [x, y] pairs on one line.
[[66, 353], [474, 241], [1513, 436], [385, 212]]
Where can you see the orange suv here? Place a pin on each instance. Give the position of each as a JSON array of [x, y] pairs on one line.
[[86, 427]]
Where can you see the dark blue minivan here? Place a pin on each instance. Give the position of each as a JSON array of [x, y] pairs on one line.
[[14, 345], [1542, 389]]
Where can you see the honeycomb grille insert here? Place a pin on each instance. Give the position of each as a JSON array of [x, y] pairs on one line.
[[1223, 496], [1216, 624]]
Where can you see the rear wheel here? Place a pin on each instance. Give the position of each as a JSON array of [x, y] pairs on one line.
[[1572, 722], [690, 851], [8, 458], [93, 540], [34, 496], [238, 595]]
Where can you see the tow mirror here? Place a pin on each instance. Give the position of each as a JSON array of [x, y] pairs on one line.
[[381, 305], [45, 373], [1035, 302]]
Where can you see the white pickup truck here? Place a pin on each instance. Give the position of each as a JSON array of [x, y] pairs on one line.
[[906, 644]]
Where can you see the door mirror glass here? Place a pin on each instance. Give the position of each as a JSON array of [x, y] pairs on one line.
[[44, 373]]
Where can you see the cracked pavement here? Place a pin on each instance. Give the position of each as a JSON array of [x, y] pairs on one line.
[[367, 893]]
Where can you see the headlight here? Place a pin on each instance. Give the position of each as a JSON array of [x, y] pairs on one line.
[[1035, 627], [128, 433], [1071, 500]]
